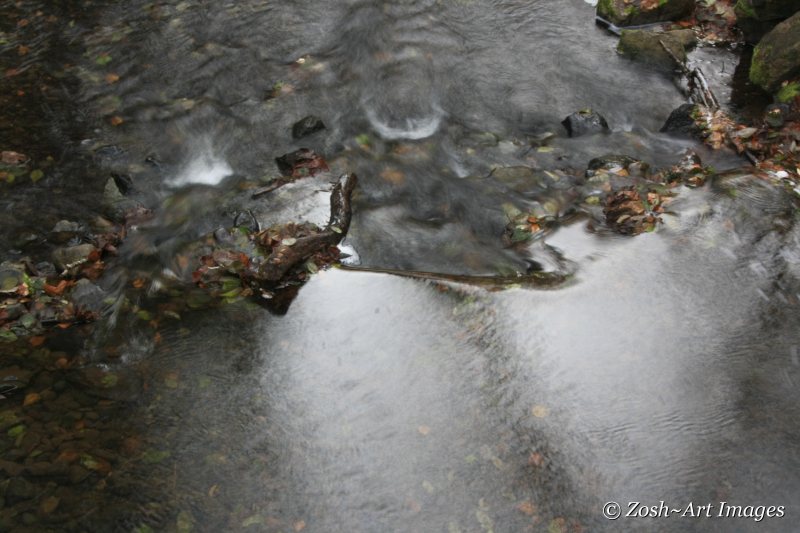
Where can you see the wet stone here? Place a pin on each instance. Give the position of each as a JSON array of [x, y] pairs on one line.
[[650, 48], [307, 126], [614, 163], [10, 279], [68, 257], [46, 268], [683, 121], [66, 230], [301, 163], [86, 295], [584, 122]]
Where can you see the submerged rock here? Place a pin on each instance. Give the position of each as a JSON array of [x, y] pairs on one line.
[[65, 230], [615, 164], [646, 47], [306, 126], [66, 258], [634, 12], [756, 17], [10, 278], [87, 295], [777, 56], [583, 122], [683, 121], [301, 163]]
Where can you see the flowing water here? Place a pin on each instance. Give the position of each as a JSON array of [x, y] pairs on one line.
[[666, 369]]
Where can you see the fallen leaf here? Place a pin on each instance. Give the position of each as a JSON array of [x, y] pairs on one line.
[[423, 430], [527, 508], [31, 399], [540, 411], [300, 525], [36, 341]]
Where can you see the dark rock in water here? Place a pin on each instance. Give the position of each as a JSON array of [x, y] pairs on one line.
[[583, 122], [757, 17], [66, 230], [246, 219], [777, 56], [223, 236], [109, 152], [26, 238], [65, 258], [46, 269], [307, 126], [301, 163], [116, 203], [614, 163], [124, 182], [776, 115], [646, 47], [635, 12], [88, 296], [683, 121]]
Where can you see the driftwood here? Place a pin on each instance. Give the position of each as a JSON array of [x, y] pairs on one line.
[[698, 86], [534, 279], [284, 257]]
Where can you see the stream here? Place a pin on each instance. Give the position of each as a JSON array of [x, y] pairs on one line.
[[666, 368]]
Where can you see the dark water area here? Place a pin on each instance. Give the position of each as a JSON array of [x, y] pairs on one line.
[[665, 369]]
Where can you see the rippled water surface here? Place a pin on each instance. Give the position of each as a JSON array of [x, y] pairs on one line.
[[666, 368]]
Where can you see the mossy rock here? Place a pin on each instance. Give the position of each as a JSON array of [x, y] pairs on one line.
[[635, 12], [757, 17], [777, 56], [645, 46]]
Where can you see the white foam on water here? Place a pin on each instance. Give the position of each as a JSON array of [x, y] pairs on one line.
[[205, 168], [413, 129]]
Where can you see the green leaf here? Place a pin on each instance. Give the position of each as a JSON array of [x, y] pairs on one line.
[[16, 431], [7, 335], [109, 380], [152, 457], [103, 59], [36, 175], [144, 315], [254, 520]]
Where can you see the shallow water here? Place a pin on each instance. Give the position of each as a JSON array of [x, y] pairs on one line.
[[666, 369]]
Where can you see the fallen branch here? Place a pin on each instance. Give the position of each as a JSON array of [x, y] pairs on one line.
[[284, 257]]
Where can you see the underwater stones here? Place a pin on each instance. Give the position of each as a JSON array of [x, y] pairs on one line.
[[614, 164], [777, 57], [71, 256], [10, 278], [86, 295], [584, 122], [301, 163], [635, 12], [307, 126], [66, 230]]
